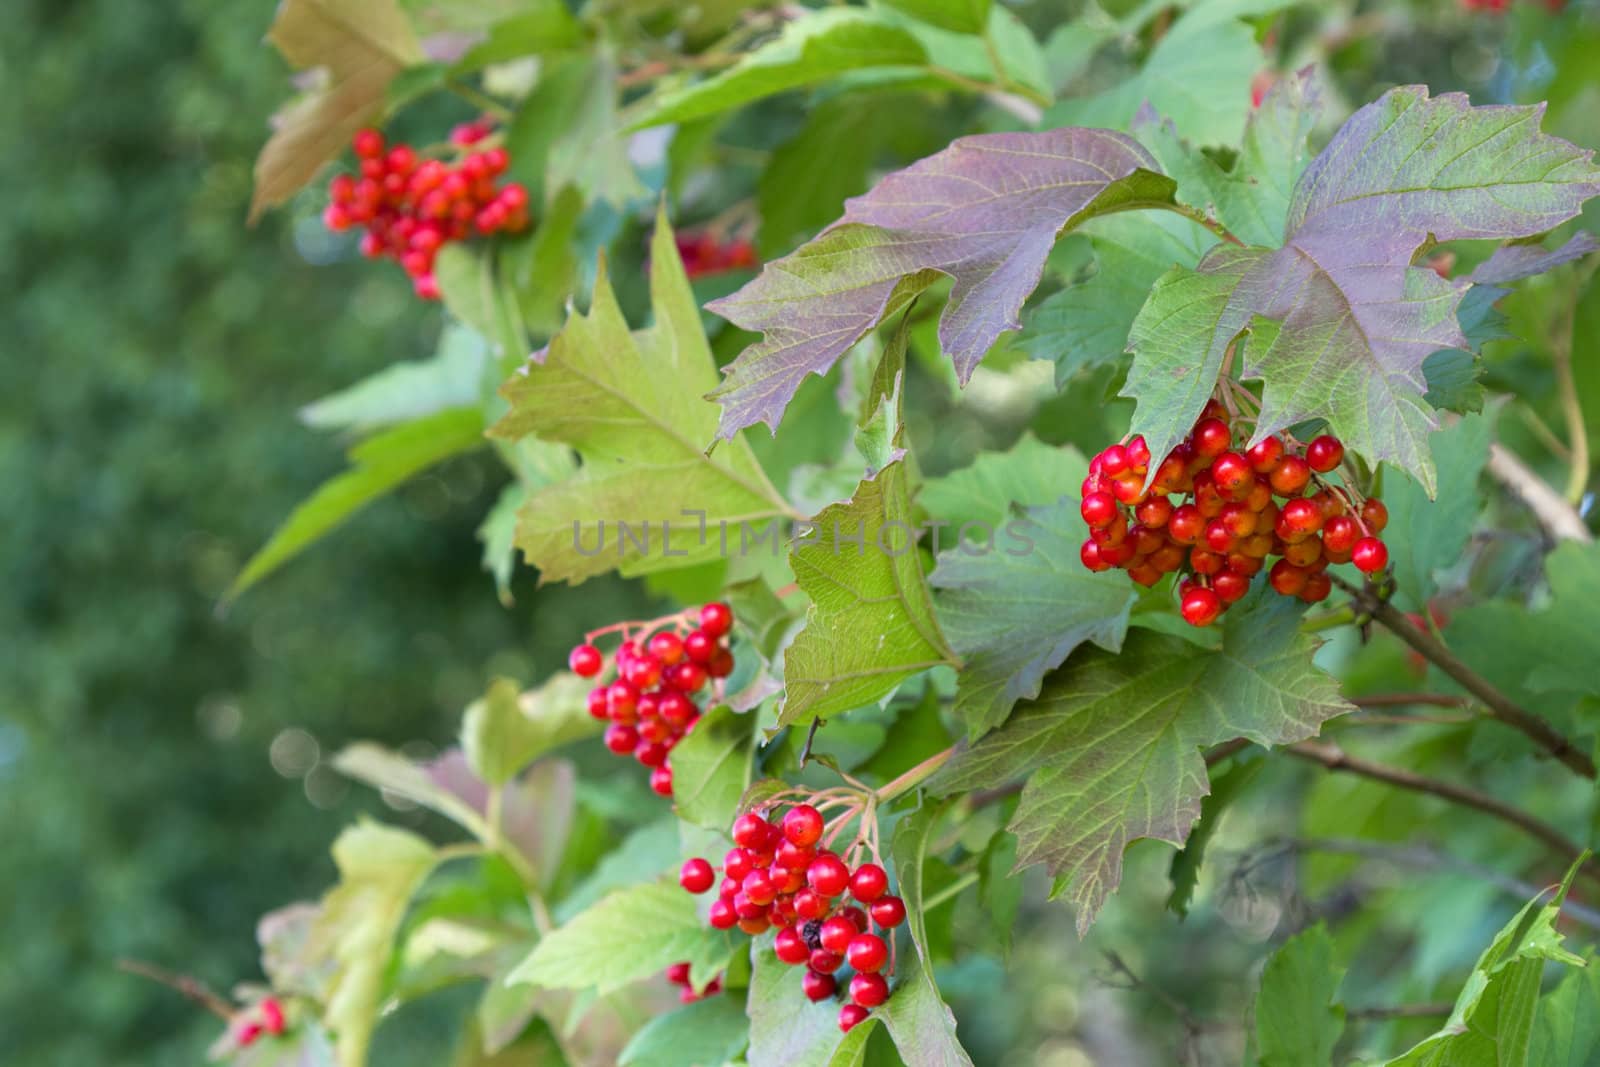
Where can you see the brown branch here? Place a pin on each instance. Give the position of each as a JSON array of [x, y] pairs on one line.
[[1405, 700], [1496, 704], [1557, 517], [1335, 758], [190, 988], [1402, 1011]]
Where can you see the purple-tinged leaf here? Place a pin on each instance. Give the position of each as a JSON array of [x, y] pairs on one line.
[[985, 211], [1517, 261], [1356, 319]]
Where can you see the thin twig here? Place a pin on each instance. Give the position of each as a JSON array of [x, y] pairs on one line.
[[811, 735], [1406, 700], [1567, 390], [1335, 758], [186, 986], [1402, 1011], [1496, 703], [1556, 516], [1194, 1028]]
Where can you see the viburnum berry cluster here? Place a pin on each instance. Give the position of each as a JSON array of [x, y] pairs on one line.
[[658, 668], [1217, 514], [706, 253], [413, 206], [264, 1017], [782, 874], [678, 975]]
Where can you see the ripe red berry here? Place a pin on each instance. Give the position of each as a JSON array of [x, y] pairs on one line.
[[247, 1033], [1290, 477], [867, 952], [1200, 606], [869, 990], [1286, 578], [722, 916], [1318, 586], [272, 1015], [809, 904], [688, 677], [737, 863], [837, 933], [888, 911], [1230, 586], [1324, 453], [817, 986], [678, 974], [1375, 515], [790, 946], [824, 962], [696, 875], [667, 647], [869, 882], [1098, 510], [1090, 555], [1211, 438], [802, 825], [828, 875], [1265, 455], [1298, 519], [750, 830], [721, 664], [651, 753], [852, 1016], [1186, 525], [585, 661], [716, 619], [597, 702], [368, 144], [699, 646], [1230, 472], [1218, 538], [661, 780], [621, 738], [1339, 534], [1113, 461], [1138, 454], [1369, 555]]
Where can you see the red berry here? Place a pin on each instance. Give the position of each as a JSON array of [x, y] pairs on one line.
[[837, 933], [750, 830], [1339, 534], [368, 143], [802, 825], [1287, 579], [869, 990], [585, 661], [247, 1033], [757, 885], [1200, 606], [1113, 461], [1098, 510], [888, 911], [621, 738], [721, 664], [722, 916], [869, 882], [643, 673], [1138, 453], [1375, 515], [1265, 455], [852, 1016], [809, 904], [737, 863], [597, 702], [1318, 586], [1187, 525], [1299, 518], [790, 946], [1369, 555], [866, 952], [1090, 555], [817, 986], [651, 754], [678, 974], [699, 646], [1211, 438], [666, 647], [716, 619], [1290, 477], [688, 677], [1153, 512], [828, 875], [661, 780], [272, 1015], [1230, 586], [1230, 472], [1205, 562], [824, 962], [1324, 453], [696, 875]]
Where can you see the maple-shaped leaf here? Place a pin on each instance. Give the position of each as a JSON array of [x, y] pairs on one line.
[[1355, 318], [985, 211], [633, 405], [1112, 746], [1524, 259], [358, 46]]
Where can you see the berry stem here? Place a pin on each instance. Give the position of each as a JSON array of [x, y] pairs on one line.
[[1498, 705], [949, 891], [190, 988], [477, 98], [914, 777], [1197, 216]]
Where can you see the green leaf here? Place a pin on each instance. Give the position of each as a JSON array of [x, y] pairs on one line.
[[1172, 377], [1297, 1021], [632, 934], [1566, 1027], [380, 868], [703, 1034], [380, 463], [498, 532], [1112, 745], [812, 48], [871, 623], [538, 27], [1030, 473], [361, 45], [509, 729], [1492, 1023], [452, 378], [999, 892], [644, 855], [1185, 870], [1086, 325], [1428, 535], [1016, 613], [1253, 198], [383, 769], [711, 767], [633, 405], [959, 16], [1454, 378], [786, 1029], [923, 1027]]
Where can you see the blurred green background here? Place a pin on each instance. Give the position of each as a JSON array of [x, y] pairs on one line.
[[161, 774]]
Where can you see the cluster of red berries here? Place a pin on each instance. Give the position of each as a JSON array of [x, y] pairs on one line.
[[266, 1017], [1228, 519], [779, 875], [706, 253], [412, 207], [650, 702], [678, 975]]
